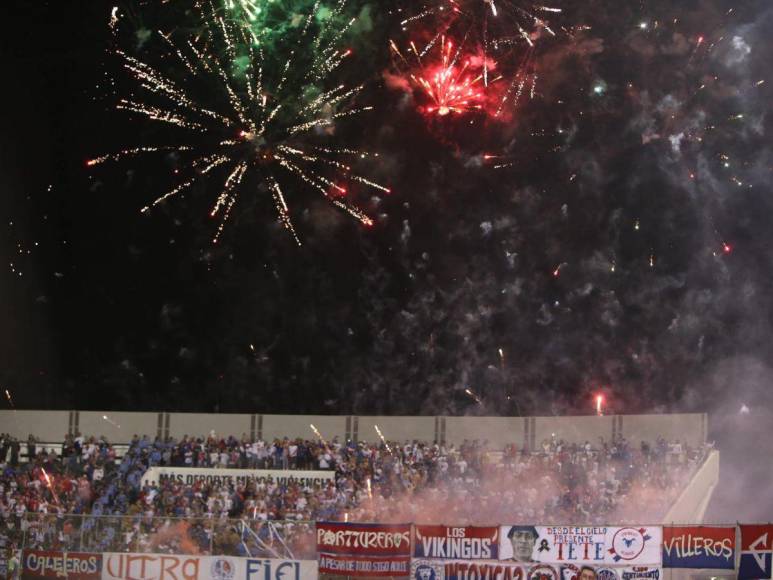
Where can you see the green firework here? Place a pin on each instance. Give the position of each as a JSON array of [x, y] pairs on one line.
[[252, 115]]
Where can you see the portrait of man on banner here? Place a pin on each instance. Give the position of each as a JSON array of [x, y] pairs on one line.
[[523, 539]]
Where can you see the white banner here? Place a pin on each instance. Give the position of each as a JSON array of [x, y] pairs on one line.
[[190, 475], [433, 569], [117, 566], [595, 545]]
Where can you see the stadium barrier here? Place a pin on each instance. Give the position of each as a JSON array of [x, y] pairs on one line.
[[157, 535], [134, 547], [118, 427]]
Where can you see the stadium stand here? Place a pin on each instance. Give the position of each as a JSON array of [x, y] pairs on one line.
[[87, 494]]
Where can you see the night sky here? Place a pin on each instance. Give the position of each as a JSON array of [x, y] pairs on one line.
[[626, 249]]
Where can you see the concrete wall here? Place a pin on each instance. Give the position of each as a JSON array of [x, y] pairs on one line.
[[690, 506], [46, 425], [51, 426], [200, 424], [691, 428], [116, 426], [278, 426], [499, 431], [574, 429], [398, 429]]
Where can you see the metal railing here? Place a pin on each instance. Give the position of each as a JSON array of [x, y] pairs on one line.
[[162, 535]]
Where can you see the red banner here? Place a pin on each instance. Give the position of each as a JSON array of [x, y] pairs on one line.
[[364, 539], [364, 567], [756, 552], [756, 538], [364, 550], [463, 543], [45, 564]]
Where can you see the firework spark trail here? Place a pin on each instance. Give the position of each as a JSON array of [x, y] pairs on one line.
[[50, 486], [383, 439], [132, 152], [258, 131], [501, 161], [475, 397], [109, 420], [113, 19], [317, 433]]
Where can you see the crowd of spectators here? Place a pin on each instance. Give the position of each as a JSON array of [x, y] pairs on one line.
[[560, 483], [51, 499]]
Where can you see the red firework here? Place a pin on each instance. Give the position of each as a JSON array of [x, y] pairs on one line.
[[450, 85], [451, 88], [506, 31]]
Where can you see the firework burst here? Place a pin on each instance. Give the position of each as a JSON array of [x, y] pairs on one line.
[[251, 122], [505, 32], [450, 84]]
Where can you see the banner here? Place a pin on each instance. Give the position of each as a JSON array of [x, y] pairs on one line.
[[265, 569], [432, 569], [48, 564], [340, 565], [364, 539], [756, 552], [364, 549], [655, 573], [699, 547], [178, 567], [191, 475], [593, 545], [465, 543]]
